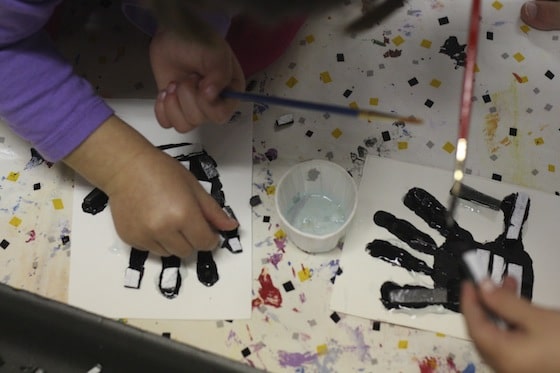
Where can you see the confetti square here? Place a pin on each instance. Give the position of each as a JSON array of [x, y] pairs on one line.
[[449, 147], [525, 28], [551, 168], [398, 40], [335, 317], [270, 190], [354, 105], [304, 274], [347, 93], [57, 204], [426, 43], [288, 286], [412, 82], [13, 176], [246, 352], [549, 74], [539, 141], [309, 133], [386, 136], [403, 344], [535, 172], [291, 82], [291, 65], [166, 335], [497, 177], [312, 323], [519, 57], [489, 35], [266, 219], [374, 101], [340, 57], [429, 103], [376, 325], [497, 5], [326, 115], [493, 157], [325, 77], [279, 234], [513, 131], [4, 244], [486, 98], [443, 21], [402, 145], [36, 186], [529, 110], [65, 239], [336, 133], [536, 91], [381, 66], [430, 144], [493, 110], [548, 107], [441, 335], [505, 56], [435, 83], [310, 39], [15, 221], [322, 349], [369, 73], [255, 201]]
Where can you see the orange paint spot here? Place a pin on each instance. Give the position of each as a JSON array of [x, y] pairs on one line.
[[490, 128], [539, 141], [506, 141]]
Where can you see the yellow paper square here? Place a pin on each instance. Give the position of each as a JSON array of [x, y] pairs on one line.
[[435, 83], [403, 344], [57, 204], [551, 168], [353, 105], [426, 43], [13, 176], [336, 133], [271, 189], [325, 77], [402, 145], [304, 274], [291, 82], [279, 234], [496, 4], [322, 349], [255, 117], [539, 141], [476, 69], [449, 147], [441, 335], [525, 28], [398, 40], [374, 101], [15, 221], [519, 57], [310, 38]]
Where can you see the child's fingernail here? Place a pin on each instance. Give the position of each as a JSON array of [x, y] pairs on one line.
[[161, 95], [171, 88], [211, 91], [487, 285], [531, 9]]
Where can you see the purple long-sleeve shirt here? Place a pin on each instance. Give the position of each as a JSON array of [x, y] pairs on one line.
[[41, 99]]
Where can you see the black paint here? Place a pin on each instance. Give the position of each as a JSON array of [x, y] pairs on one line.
[[448, 268], [406, 232], [470, 194], [454, 50], [95, 202], [170, 262], [206, 269]]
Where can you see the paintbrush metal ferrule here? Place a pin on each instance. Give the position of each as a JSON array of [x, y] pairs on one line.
[[317, 106]]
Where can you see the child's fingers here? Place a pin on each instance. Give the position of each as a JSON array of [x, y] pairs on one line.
[[542, 15], [506, 304], [176, 244]]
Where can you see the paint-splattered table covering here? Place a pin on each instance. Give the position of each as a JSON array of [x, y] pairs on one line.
[[401, 65]]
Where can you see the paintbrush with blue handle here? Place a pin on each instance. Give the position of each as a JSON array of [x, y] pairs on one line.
[[316, 106]]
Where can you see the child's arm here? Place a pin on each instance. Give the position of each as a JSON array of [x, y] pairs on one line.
[[156, 203], [530, 344]]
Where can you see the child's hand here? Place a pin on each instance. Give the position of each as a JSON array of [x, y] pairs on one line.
[[190, 76], [530, 345], [541, 14], [156, 203]]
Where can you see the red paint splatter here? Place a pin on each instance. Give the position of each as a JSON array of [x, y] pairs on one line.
[[428, 364], [295, 310], [32, 236], [519, 79], [268, 293], [393, 53]]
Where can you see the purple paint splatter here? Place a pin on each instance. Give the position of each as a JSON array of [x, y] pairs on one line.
[[295, 359]]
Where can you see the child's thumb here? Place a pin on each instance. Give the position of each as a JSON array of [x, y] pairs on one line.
[[542, 15]]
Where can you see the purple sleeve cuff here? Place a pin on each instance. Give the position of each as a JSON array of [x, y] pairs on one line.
[[43, 101]]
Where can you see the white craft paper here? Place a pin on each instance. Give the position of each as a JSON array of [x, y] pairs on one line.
[[383, 186], [99, 258]]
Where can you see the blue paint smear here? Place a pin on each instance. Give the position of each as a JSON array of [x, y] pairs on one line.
[[470, 368]]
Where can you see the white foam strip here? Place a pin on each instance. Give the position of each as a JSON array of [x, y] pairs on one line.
[[498, 269], [516, 221], [516, 271]]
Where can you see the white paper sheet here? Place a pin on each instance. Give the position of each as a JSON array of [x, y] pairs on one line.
[[99, 258], [383, 186]]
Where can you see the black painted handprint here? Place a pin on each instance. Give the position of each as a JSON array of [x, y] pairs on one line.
[[503, 256]]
